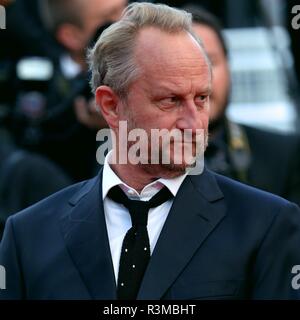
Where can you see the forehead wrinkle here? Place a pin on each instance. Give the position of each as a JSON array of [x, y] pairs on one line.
[[170, 62], [179, 76], [174, 82], [175, 71]]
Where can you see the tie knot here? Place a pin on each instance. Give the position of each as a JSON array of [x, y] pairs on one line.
[[139, 209], [138, 212]]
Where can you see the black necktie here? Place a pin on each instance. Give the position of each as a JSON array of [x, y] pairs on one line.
[[135, 253]]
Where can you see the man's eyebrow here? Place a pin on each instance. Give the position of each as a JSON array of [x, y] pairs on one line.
[[161, 93], [207, 90]]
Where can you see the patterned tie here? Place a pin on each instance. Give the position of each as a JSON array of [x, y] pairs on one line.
[[135, 253]]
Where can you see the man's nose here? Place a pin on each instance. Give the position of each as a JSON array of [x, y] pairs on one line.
[[188, 117]]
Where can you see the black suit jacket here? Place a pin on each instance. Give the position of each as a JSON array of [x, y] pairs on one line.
[[275, 162], [273, 159], [221, 240]]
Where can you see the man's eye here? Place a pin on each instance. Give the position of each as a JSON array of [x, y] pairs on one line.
[[171, 100], [201, 98]]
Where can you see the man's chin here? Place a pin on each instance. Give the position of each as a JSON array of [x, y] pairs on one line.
[[178, 169], [167, 171]]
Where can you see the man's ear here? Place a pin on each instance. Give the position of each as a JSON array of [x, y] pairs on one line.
[[108, 103], [70, 37]]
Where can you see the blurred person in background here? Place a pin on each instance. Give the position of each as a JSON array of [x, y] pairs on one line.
[[25, 34], [25, 178], [266, 160], [231, 13], [64, 127], [76, 23]]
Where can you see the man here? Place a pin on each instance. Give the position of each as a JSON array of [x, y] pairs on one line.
[[211, 238], [266, 160]]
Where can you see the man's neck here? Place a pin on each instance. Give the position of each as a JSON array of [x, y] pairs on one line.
[[133, 176], [138, 176]]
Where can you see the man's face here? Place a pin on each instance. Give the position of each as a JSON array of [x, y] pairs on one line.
[[172, 91], [221, 76]]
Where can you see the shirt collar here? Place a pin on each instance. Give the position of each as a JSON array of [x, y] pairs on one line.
[[110, 179]]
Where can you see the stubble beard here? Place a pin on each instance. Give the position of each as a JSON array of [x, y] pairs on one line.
[[170, 169]]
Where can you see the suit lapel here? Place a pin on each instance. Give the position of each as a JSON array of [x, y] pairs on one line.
[[193, 216], [85, 234]]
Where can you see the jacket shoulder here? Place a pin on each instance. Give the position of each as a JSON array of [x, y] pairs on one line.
[[272, 139], [56, 204], [249, 198]]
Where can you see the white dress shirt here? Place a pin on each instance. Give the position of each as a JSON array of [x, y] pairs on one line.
[[117, 217]]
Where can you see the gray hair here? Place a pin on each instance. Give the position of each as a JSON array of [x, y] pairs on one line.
[[112, 58]]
